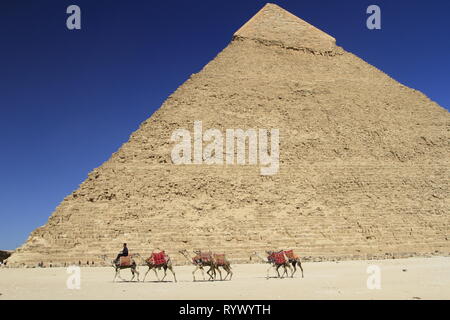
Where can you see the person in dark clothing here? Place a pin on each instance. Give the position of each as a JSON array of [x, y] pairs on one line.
[[123, 253]]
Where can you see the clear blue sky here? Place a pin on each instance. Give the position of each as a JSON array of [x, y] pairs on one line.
[[69, 99]]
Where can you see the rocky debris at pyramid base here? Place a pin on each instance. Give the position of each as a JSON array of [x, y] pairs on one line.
[[363, 163]]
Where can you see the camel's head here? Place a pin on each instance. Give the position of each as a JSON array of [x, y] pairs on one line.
[[197, 251]]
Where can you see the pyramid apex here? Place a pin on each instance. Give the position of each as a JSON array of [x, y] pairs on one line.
[[274, 25]]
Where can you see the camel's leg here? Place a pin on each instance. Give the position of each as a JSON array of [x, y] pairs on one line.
[[118, 274], [284, 273], [146, 273], [165, 273], [288, 265], [209, 274], [203, 273], [278, 271], [173, 272], [295, 268], [300, 266], [134, 272], [156, 274], [228, 272], [225, 269], [220, 273], [212, 273], [115, 276], [231, 272]]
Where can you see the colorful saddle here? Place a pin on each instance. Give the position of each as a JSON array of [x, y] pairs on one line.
[[220, 259], [277, 258], [206, 256], [125, 261], [158, 258]]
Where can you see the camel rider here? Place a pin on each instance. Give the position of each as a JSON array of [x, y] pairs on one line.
[[123, 253]]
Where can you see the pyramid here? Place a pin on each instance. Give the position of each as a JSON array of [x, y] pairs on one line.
[[274, 26], [363, 163]]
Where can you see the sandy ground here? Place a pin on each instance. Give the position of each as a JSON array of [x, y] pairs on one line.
[[415, 278]]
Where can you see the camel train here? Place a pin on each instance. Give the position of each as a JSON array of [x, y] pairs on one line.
[[200, 260]]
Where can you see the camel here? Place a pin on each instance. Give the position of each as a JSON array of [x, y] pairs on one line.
[[117, 266], [219, 262], [199, 264], [274, 264], [167, 265], [293, 259]]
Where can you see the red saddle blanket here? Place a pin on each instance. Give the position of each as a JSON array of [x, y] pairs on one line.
[[202, 258], [125, 261], [220, 259], [277, 257], [158, 258], [206, 257]]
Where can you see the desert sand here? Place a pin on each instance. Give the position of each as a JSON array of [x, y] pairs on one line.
[[413, 278]]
